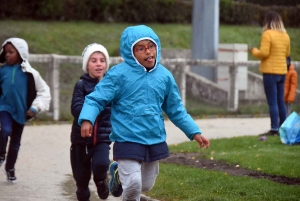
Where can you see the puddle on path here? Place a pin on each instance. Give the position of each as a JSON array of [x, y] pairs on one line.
[[69, 189]]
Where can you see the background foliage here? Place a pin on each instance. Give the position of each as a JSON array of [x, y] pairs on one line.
[[273, 2], [158, 11]]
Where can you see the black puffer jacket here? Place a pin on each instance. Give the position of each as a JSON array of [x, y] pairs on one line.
[[84, 86]]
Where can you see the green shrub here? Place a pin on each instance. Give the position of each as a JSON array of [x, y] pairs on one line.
[[274, 2], [133, 11]]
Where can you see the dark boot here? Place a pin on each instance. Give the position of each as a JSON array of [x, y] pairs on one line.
[[83, 194], [102, 189]]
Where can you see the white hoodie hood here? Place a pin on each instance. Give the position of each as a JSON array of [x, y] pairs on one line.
[[22, 47], [43, 97]]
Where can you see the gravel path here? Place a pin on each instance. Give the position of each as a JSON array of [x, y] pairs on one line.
[[43, 167]]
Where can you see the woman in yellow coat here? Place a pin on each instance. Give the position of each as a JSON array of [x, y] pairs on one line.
[[290, 86], [273, 51]]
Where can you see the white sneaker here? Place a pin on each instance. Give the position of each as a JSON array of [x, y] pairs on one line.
[[2, 160], [11, 176]]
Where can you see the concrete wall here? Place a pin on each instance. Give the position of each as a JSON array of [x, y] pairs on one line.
[[197, 86], [200, 87], [255, 91], [204, 89]]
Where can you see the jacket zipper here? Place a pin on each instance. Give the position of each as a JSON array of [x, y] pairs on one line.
[[13, 75], [86, 149]]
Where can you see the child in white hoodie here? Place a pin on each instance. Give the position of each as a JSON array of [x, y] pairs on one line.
[[23, 94]]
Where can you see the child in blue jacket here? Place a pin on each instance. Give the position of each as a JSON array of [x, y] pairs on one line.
[[91, 155], [23, 94], [140, 90]]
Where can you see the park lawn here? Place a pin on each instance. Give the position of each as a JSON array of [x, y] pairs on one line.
[[70, 38], [270, 156], [178, 182]]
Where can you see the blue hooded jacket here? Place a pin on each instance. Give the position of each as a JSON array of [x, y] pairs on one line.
[[138, 96]]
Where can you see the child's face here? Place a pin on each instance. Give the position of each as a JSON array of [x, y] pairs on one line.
[[96, 65], [12, 56], [145, 52]]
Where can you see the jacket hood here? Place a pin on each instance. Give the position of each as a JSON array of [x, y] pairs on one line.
[[22, 47], [132, 35]]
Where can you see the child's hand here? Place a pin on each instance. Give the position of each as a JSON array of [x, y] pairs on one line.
[[202, 141], [86, 129], [30, 113]]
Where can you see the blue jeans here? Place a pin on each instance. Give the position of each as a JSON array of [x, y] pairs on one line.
[[274, 90], [11, 128]]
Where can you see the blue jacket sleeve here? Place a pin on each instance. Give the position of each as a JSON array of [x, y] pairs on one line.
[[95, 102], [175, 110]]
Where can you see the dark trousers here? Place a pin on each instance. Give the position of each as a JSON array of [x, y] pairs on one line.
[[85, 160], [10, 128], [274, 90]]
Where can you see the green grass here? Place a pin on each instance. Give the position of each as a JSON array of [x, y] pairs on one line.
[[177, 182], [64, 38], [180, 183], [70, 38], [251, 35], [270, 156]]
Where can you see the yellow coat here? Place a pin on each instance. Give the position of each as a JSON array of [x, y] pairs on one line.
[[274, 49]]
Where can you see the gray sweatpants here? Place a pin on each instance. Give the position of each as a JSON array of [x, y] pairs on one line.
[[136, 177]]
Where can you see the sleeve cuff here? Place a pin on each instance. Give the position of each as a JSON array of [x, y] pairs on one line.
[[34, 110]]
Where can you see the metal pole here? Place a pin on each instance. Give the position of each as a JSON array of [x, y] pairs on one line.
[[55, 81], [205, 35], [233, 91], [182, 68]]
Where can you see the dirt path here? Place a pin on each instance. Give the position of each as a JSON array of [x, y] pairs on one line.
[[193, 160], [43, 167]]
